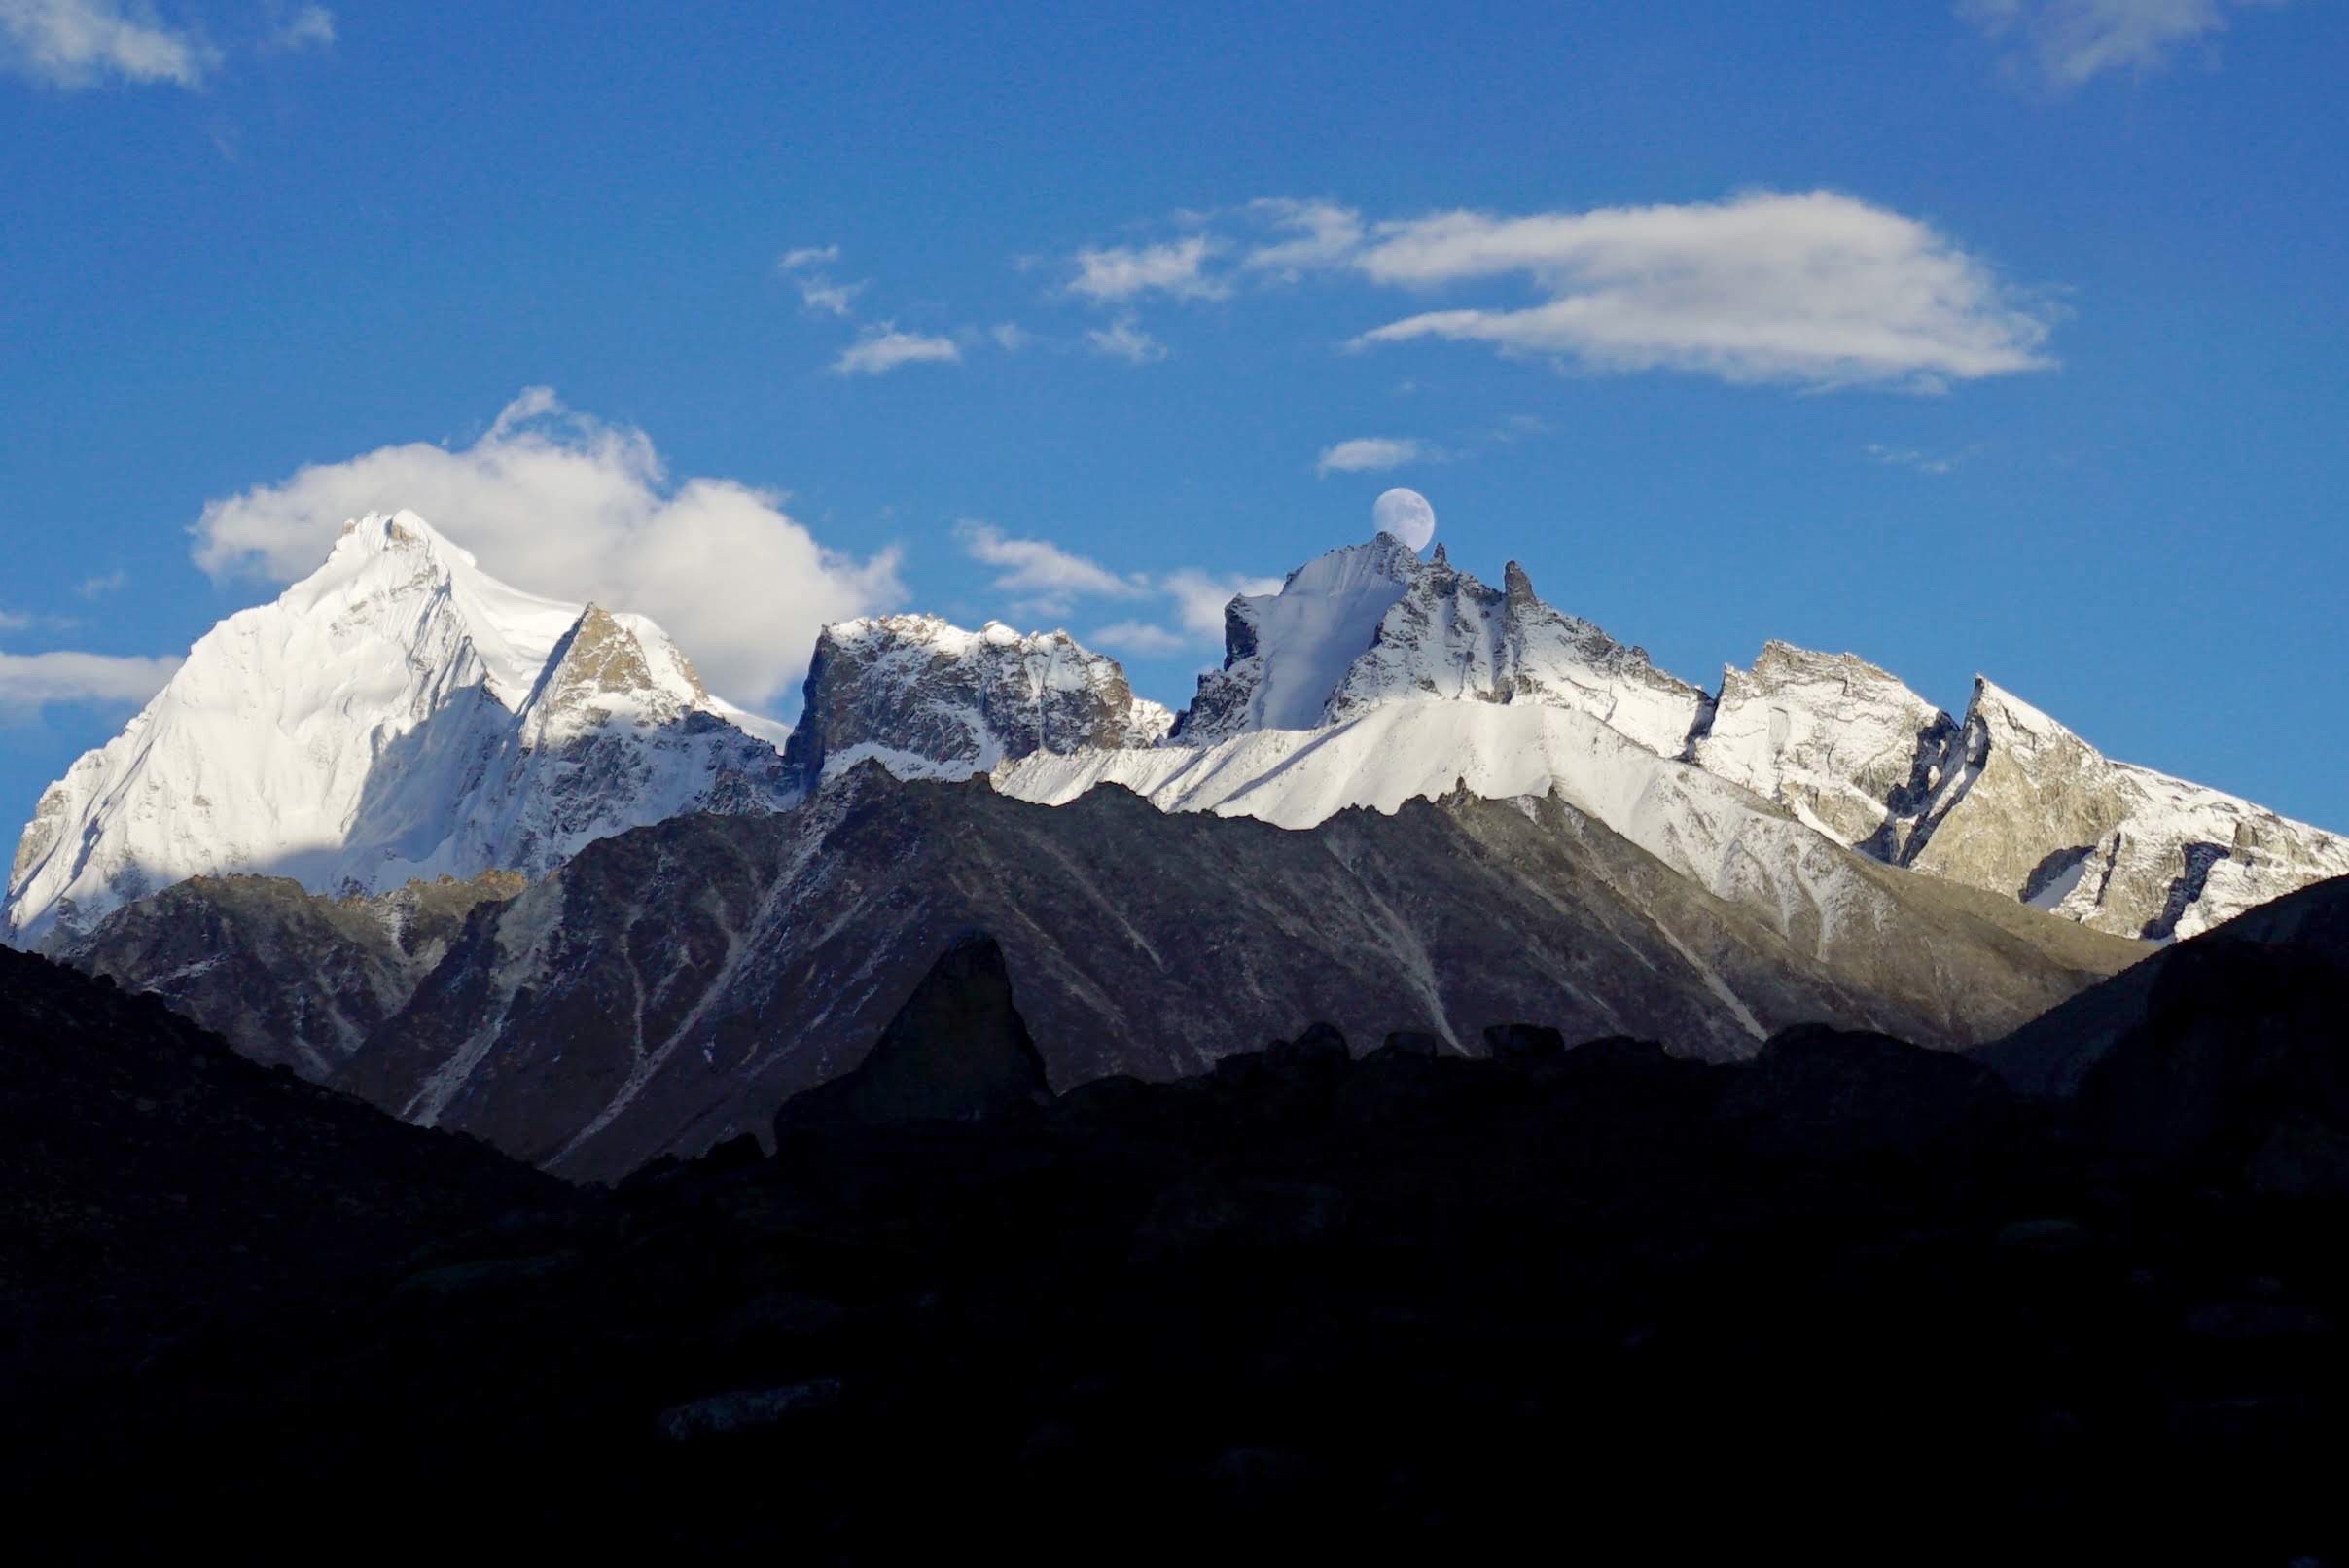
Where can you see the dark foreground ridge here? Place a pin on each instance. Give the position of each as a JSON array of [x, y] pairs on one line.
[[1852, 1300]]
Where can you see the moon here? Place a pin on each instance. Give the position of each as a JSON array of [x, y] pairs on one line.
[[1406, 516]]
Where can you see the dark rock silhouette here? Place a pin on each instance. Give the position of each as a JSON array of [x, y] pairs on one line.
[[1852, 1298], [957, 1050]]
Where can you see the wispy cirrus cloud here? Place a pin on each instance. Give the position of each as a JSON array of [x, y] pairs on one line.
[[1125, 338], [819, 291], [1145, 639], [1051, 580], [1369, 454], [1044, 575], [83, 42], [1936, 464], [2066, 43], [884, 348], [1311, 235], [308, 28]]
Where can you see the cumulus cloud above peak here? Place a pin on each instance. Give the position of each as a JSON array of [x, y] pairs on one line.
[[560, 503]]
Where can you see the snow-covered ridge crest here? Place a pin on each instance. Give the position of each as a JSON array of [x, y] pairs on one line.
[[2009, 800], [2028, 807], [1372, 624], [398, 713], [928, 699]]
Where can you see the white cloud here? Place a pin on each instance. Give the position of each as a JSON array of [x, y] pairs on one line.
[[1322, 235], [1366, 454], [78, 43], [884, 348], [311, 27], [1816, 288], [1125, 340], [1011, 337], [1921, 461], [32, 680], [1139, 638], [832, 298], [1121, 271], [819, 290], [562, 504], [2067, 42], [91, 588], [1048, 575], [1199, 597], [1053, 578]]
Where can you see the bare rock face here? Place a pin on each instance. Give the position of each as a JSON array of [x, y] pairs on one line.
[[2007, 801], [2027, 808], [285, 977], [929, 700]]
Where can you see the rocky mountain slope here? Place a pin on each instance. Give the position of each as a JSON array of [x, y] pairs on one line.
[[2251, 1008], [667, 987], [2008, 800], [284, 975], [153, 1182], [932, 700], [1333, 1296], [397, 714]]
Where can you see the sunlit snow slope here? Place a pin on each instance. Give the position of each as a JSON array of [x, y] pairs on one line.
[[397, 714]]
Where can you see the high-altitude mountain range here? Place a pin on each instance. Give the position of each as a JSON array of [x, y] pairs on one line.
[[643, 922], [667, 988], [401, 714]]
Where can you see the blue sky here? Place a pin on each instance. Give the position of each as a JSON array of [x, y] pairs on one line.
[[2006, 337]]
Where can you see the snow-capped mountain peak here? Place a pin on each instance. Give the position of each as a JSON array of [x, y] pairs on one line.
[[929, 698], [1285, 653], [1372, 624], [397, 713]]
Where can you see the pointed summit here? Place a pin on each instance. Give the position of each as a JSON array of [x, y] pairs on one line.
[[956, 1051], [398, 712], [1517, 587]]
